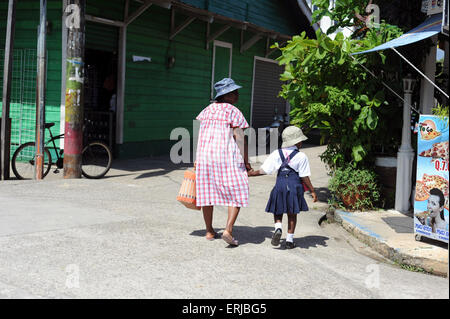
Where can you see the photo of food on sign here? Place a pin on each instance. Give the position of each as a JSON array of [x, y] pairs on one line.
[[428, 130], [431, 197], [439, 150]]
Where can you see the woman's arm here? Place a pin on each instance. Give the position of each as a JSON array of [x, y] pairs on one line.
[[242, 144], [307, 181]]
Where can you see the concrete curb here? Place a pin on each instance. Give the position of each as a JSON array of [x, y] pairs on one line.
[[380, 245]]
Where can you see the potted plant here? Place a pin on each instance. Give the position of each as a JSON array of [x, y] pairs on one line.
[[354, 189]]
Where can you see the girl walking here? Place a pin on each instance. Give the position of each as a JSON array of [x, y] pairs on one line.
[[287, 196]]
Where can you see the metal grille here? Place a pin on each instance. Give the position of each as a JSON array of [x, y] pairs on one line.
[[23, 96]]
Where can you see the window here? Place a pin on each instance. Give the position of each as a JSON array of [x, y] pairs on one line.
[[221, 64]]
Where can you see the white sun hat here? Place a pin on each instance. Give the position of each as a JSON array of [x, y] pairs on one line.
[[292, 135]]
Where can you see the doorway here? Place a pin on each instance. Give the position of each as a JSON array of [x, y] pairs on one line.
[[100, 96]]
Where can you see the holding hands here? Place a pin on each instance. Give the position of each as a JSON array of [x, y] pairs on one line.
[[252, 172]]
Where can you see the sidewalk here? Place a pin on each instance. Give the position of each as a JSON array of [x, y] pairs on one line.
[[391, 234], [388, 232]]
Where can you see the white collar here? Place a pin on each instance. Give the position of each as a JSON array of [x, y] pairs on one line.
[[290, 148]]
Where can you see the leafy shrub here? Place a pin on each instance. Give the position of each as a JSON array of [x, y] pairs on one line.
[[328, 89], [442, 112], [354, 189]]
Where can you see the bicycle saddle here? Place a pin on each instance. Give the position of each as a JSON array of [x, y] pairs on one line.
[[49, 125]]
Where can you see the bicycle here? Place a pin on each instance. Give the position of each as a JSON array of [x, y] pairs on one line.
[[96, 158]]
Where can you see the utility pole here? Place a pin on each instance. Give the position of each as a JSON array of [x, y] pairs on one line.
[[40, 97], [5, 135], [73, 130]]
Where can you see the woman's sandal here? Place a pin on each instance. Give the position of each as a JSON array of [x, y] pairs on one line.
[[230, 240]]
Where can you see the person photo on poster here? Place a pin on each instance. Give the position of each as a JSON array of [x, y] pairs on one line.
[[435, 207]]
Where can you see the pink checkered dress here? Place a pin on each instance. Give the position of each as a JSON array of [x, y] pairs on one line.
[[221, 177]]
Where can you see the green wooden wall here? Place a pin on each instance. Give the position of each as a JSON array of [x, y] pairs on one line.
[[157, 99], [25, 44], [27, 20], [270, 14], [100, 36]]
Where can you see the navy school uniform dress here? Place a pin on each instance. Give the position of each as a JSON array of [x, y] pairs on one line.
[[287, 196]]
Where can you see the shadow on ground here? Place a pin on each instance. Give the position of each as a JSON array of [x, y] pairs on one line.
[[323, 194], [257, 235], [311, 241], [431, 241], [157, 166], [244, 234]]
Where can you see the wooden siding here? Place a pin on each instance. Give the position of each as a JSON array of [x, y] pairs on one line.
[[101, 37], [270, 14], [159, 99], [109, 9], [27, 21]]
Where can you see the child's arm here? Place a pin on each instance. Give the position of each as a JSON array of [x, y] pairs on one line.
[[268, 167], [307, 181]]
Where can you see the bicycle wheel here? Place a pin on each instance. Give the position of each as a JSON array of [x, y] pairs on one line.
[[24, 158], [96, 160]]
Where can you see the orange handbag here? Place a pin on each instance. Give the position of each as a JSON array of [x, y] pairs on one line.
[[187, 194]]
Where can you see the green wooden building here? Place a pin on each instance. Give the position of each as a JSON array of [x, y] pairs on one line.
[[151, 65]]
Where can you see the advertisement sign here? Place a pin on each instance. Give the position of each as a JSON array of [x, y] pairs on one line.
[[431, 203], [432, 6]]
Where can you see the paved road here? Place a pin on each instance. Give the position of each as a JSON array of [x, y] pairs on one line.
[[125, 236]]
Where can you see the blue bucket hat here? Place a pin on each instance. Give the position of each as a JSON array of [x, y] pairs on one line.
[[225, 86]]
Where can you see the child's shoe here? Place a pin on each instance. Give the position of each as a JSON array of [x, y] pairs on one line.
[[276, 237], [290, 245]]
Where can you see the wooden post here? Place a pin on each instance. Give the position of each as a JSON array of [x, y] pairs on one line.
[[74, 119], [40, 96], [5, 135], [122, 60], [63, 73]]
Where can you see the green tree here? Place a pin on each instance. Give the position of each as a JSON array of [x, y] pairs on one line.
[[403, 14], [329, 90]]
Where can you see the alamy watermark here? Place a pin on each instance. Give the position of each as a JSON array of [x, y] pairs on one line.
[[373, 279], [372, 17], [73, 16], [73, 276], [256, 142]]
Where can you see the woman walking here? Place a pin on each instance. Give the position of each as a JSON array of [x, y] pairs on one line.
[[221, 165]]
